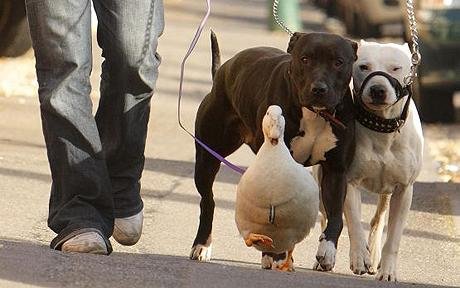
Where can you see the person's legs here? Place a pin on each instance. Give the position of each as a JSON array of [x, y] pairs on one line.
[[128, 32], [81, 198]]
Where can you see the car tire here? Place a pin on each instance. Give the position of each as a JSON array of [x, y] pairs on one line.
[[14, 29], [434, 104]]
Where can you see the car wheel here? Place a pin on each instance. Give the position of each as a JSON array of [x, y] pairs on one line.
[[14, 30], [434, 104]]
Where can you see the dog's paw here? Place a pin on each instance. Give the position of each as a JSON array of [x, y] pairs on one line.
[[266, 261], [325, 256], [317, 267], [387, 269], [360, 262], [201, 252], [386, 276]]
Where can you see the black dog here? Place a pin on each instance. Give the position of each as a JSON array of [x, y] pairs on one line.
[[315, 73]]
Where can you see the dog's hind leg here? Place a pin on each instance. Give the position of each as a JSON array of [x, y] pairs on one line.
[[359, 251], [317, 174], [399, 209], [376, 232], [219, 130], [206, 168]]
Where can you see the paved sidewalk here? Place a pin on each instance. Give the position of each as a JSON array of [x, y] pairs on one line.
[[429, 254]]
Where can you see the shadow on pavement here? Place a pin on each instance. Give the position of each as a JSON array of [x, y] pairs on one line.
[[428, 197], [185, 198], [5, 141], [230, 205], [25, 174], [186, 169], [31, 263]]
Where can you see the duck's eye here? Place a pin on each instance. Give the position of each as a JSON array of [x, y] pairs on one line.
[[397, 68], [338, 62], [363, 67], [305, 59]]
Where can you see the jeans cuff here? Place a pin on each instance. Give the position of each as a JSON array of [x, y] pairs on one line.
[[123, 213]]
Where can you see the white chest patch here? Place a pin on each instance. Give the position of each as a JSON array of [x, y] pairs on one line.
[[318, 138]]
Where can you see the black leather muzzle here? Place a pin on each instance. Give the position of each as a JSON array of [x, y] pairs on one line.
[[400, 91], [377, 123]]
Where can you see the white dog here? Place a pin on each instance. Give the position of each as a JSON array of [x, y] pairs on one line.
[[386, 163]]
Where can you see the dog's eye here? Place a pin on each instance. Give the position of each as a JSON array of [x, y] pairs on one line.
[[364, 67], [305, 59], [397, 68], [338, 62]]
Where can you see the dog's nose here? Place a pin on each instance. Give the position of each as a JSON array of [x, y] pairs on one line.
[[319, 88], [378, 93]]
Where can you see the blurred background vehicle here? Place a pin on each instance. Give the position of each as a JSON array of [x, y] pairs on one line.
[[439, 72], [366, 18], [14, 30]]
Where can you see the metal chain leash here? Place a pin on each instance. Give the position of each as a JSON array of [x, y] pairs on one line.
[[416, 57], [278, 20]]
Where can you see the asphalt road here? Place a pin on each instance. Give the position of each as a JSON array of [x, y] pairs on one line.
[[429, 254]]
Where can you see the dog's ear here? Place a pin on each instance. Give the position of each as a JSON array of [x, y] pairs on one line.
[[293, 40], [406, 49], [354, 45]]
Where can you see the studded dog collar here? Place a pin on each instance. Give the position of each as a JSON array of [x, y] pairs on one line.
[[375, 122]]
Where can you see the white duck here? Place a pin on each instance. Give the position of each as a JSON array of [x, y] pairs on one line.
[[277, 199]]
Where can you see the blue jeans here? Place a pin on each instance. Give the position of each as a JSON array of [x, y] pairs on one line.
[[96, 161]]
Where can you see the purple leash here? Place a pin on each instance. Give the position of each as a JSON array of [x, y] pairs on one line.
[[190, 49]]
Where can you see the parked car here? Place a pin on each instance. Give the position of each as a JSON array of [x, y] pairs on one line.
[[14, 30], [369, 18], [439, 73]]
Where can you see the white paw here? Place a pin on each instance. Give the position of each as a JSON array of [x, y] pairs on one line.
[[267, 262], [387, 269], [201, 253], [360, 262], [325, 256]]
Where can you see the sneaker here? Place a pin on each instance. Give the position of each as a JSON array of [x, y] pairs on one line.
[[87, 242], [128, 230]]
